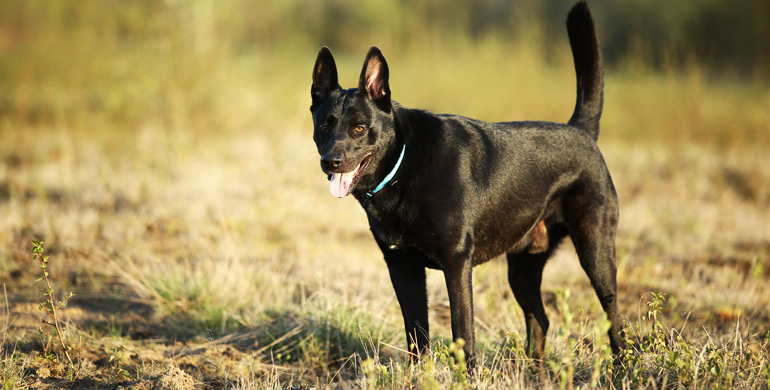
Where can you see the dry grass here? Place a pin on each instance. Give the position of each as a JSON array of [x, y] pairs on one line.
[[180, 198]]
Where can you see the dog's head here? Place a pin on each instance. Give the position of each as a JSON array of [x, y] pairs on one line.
[[352, 127]]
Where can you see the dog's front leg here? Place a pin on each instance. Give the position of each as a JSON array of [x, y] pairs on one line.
[[408, 280], [459, 281]]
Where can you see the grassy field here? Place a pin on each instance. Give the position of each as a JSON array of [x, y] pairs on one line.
[[176, 186]]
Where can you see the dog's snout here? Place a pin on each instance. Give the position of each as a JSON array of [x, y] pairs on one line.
[[332, 161]]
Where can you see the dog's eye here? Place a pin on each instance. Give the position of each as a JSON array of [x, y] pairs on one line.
[[324, 127], [360, 128]]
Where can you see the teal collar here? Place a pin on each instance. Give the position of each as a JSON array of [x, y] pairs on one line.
[[392, 173]]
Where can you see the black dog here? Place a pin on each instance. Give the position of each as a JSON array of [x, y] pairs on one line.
[[449, 192]]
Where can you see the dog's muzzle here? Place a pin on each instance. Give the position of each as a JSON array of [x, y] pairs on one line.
[[341, 183]]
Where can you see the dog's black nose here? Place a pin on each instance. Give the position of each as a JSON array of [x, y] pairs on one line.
[[331, 161]]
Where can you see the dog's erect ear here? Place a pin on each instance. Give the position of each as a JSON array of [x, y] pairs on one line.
[[374, 77], [324, 74]]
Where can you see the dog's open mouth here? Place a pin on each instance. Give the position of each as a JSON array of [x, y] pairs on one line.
[[340, 184]]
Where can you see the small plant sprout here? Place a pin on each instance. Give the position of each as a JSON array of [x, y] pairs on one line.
[[457, 363], [565, 369], [49, 306]]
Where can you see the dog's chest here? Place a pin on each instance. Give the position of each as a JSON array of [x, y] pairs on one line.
[[414, 238], [389, 231], [394, 233]]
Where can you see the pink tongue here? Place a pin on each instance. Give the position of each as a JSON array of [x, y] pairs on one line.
[[339, 185]]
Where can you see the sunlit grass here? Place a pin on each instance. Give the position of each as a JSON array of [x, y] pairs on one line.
[[178, 172]]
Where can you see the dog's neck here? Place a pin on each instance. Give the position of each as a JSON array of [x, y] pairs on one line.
[[390, 175]]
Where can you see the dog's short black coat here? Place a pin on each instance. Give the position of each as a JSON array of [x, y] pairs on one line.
[[465, 191]]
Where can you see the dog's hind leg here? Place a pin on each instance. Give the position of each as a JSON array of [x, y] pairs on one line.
[[525, 272], [593, 233], [408, 280]]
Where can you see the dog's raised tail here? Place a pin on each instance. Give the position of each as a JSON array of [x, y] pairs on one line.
[[588, 68]]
